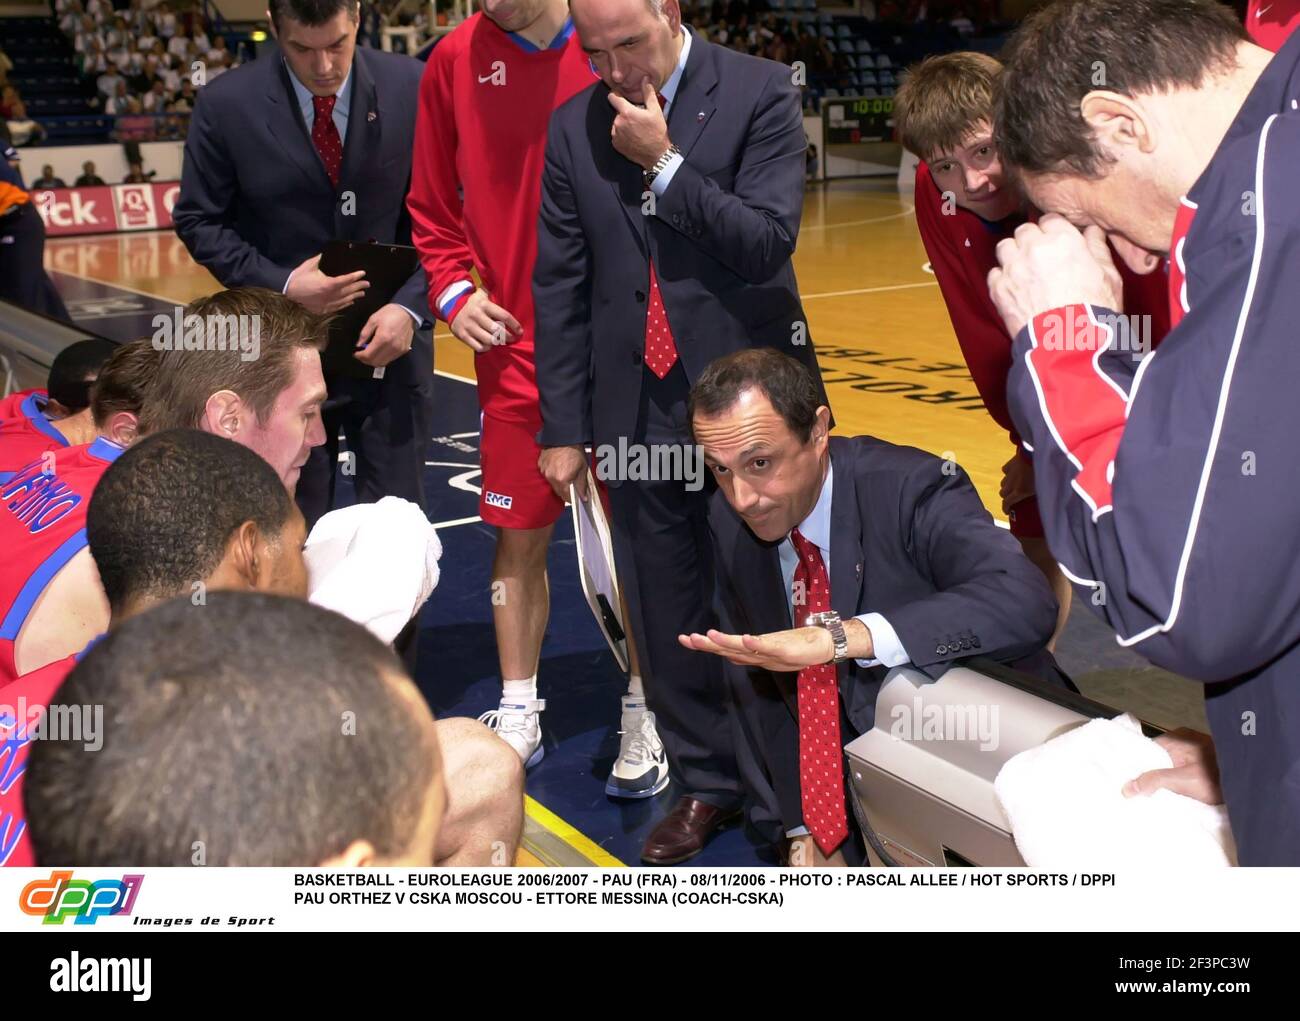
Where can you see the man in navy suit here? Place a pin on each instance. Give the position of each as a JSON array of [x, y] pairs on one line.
[[671, 199], [887, 549], [309, 144]]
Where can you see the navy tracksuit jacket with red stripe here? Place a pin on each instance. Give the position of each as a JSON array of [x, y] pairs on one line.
[[1170, 486]]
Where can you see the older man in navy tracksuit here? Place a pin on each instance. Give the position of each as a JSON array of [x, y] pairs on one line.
[[1168, 483]]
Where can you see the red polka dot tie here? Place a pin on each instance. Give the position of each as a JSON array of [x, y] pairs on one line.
[[821, 760], [660, 351], [325, 136]]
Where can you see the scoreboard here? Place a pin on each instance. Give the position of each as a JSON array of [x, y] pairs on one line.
[[852, 119]]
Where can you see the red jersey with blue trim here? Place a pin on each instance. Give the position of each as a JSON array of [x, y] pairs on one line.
[[1271, 22], [9, 405], [962, 248], [25, 432], [42, 527], [476, 176], [21, 704], [1170, 493]]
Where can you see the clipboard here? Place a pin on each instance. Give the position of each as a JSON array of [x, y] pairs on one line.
[[596, 569], [387, 268]]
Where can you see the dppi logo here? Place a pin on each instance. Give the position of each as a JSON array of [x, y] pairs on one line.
[[61, 896]]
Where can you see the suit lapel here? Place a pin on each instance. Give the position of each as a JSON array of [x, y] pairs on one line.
[[693, 105], [846, 537], [364, 129], [287, 127]]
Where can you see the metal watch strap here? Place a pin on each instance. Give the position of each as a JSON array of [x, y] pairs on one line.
[[661, 164], [830, 620]]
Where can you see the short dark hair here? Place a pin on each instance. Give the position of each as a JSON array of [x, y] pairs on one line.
[[1072, 47], [311, 12], [124, 382], [186, 379], [75, 368], [161, 517], [226, 731], [787, 383]]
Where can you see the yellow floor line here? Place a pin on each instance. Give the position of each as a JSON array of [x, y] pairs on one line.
[[557, 827]]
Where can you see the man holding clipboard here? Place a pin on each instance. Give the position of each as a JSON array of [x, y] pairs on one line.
[[308, 145]]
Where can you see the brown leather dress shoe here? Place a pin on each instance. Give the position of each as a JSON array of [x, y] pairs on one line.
[[684, 831]]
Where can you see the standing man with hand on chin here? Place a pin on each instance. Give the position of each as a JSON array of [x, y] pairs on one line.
[[490, 88], [671, 199], [311, 143]]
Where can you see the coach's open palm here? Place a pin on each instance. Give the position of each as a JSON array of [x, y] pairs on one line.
[[1051, 264], [783, 651]]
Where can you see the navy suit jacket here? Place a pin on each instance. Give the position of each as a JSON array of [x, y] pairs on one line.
[[721, 235], [255, 200], [910, 540]]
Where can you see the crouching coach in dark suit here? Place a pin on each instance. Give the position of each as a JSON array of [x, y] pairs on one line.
[[310, 143], [889, 546]]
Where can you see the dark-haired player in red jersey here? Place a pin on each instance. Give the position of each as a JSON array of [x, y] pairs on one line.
[[51, 601], [965, 205], [34, 421], [485, 103]]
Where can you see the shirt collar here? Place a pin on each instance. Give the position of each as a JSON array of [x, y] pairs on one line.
[[670, 86], [559, 42], [816, 527], [305, 94]]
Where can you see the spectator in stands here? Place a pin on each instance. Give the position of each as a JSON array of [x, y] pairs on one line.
[[117, 35], [119, 55], [93, 60], [142, 81], [117, 102], [137, 175], [87, 34], [157, 98], [164, 21], [71, 12], [215, 70], [186, 96], [47, 179], [88, 176], [217, 51], [134, 125], [22, 129], [108, 82], [178, 46]]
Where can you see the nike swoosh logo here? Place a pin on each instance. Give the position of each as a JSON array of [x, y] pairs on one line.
[[1262, 11], [484, 78]]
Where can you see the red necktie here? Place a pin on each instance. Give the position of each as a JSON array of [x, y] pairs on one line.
[[821, 762], [325, 136], [660, 351]]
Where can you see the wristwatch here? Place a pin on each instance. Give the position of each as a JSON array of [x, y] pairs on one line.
[[830, 620], [661, 164]]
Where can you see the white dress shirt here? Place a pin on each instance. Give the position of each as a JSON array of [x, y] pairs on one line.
[[665, 177], [816, 528]]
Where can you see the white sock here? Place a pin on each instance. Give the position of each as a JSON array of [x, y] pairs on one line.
[[634, 689], [519, 691], [634, 700]]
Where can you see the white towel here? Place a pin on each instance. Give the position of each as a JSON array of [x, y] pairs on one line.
[[375, 563], [1065, 804]]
